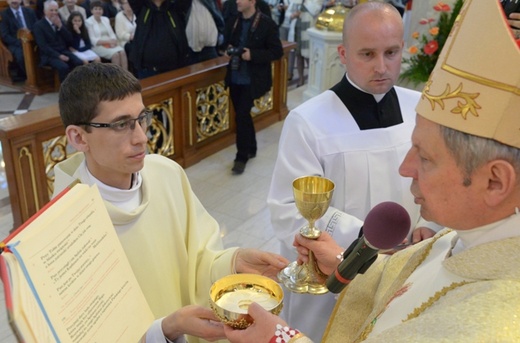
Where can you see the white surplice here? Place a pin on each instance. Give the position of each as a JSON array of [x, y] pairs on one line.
[[322, 138]]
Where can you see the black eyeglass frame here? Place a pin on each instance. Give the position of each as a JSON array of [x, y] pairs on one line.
[[145, 118]]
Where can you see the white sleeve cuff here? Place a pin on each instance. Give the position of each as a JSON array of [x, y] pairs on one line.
[[344, 228], [155, 334]]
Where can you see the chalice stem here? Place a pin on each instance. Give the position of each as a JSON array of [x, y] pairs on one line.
[[312, 195], [315, 275], [310, 231]]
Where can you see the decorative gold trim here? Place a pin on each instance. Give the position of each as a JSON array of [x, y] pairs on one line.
[[190, 117], [162, 129], [418, 310], [266, 102], [481, 80], [462, 108], [368, 329], [470, 105], [55, 150], [27, 153], [211, 111], [262, 104], [463, 74]]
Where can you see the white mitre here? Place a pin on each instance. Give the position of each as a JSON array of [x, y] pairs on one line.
[[474, 87]]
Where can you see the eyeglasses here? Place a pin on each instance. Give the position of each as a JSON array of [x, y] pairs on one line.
[[125, 125]]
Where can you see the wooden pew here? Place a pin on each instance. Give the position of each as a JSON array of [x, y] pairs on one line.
[[39, 80], [6, 58], [193, 118]]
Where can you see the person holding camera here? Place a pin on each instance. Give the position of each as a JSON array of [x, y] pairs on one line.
[[252, 43]]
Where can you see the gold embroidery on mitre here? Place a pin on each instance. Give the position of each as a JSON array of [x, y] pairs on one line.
[[481, 80], [462, 108]]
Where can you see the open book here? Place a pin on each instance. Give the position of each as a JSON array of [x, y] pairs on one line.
[[66, 277]]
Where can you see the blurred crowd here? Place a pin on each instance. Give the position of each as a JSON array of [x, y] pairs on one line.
[[148, 37]]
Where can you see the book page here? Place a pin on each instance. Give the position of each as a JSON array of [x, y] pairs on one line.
[[81, 276], [24, 309], [47, 213]]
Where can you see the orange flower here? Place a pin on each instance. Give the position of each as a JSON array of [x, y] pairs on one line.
[[422, 57], [442, 7], [413, 50], [431, 47]]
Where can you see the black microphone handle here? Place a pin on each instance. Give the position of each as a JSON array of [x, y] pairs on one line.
[[357, 260]]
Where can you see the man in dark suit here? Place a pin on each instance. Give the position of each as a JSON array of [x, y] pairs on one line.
[[230, 11], [254, 42], [53, 40], [16, 17]]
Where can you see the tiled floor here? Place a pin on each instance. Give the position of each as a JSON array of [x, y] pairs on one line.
[[237, 202]]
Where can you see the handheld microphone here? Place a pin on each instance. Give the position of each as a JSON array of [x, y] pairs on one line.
[[385, 226]]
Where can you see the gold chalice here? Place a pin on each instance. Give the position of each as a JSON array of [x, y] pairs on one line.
[[312, 195], [231, 296]]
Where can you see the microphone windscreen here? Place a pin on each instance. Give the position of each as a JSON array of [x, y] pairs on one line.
[[386, 225]]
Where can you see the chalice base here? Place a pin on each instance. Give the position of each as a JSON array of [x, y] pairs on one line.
[[301, 279]]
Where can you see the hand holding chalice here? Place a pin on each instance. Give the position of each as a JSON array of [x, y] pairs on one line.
[[312, 195]]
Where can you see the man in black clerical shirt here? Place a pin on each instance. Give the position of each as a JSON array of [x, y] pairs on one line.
[[355, 134]]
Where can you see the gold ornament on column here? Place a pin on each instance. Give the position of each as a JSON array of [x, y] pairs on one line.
[[332, 18]]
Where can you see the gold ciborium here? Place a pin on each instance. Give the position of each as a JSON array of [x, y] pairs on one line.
[[312, 195]]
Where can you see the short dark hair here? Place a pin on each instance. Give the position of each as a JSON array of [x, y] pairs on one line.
[[88, 85], [96, 3]]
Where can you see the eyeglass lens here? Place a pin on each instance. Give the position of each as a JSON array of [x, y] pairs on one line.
[[144, 120]]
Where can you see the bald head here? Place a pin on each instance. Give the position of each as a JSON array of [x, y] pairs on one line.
[[372, 46], [368, 12]]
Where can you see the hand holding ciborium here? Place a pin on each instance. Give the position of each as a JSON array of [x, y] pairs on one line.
[[312, 195]]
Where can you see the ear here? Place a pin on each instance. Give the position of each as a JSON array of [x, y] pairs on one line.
[[342, 52], [502, 182], [76, 136]]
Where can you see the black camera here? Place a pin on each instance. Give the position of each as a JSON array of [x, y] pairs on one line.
[[235, 54], [233, 51]]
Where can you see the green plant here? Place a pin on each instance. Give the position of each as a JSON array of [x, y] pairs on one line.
[[424, 54]]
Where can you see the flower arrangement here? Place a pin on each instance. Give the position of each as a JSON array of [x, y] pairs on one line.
[[424, 54]]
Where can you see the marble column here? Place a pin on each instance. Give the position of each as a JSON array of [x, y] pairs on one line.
[[325, 68]]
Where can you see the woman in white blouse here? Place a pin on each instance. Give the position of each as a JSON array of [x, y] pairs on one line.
[[102, 36], [125, 24]]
